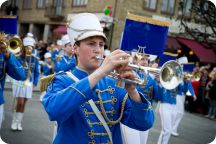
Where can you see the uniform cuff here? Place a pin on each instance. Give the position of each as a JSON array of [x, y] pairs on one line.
[[144, 105]]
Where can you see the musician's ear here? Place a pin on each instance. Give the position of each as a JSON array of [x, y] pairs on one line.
[[76, 49]]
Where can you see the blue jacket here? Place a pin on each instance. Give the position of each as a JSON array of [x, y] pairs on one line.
[[150, 90], [47, 69], [64, 64], [167, 96], [184, 87], [35, 68], [67, 103], [13, 68]]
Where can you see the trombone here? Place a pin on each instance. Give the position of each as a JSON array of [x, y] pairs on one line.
[[170, 75], [14, 44]]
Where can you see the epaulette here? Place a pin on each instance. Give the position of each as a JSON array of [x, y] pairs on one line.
[[44, 81]]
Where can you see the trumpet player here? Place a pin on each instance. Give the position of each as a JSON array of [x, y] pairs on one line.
[[66, 61], [183, 88], [73, 98], [10, 65], [22, 91], [150, 91]]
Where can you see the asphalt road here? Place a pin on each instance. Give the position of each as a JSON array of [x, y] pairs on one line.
[[194, 129]]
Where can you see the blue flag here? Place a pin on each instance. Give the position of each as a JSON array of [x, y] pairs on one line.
[[145, 33], [8, 24]]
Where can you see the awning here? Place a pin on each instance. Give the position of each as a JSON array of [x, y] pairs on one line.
[[172, 43], [205, 55], [62, 29]]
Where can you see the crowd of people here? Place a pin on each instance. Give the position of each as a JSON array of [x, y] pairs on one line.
[[87, 105]]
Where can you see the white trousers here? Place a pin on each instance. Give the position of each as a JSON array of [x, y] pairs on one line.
[[132, 136], [180, 99], [1, 114], [167, 114]]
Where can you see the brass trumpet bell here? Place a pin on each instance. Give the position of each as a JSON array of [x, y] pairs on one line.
[[14, 44]]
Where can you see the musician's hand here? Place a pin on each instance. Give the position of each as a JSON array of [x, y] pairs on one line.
[[115, 60], [4, 50], [127, 73]]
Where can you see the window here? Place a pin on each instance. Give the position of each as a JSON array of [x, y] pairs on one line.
[[79, 2], [41, 3], [168, 6], [150, 4], [27, 4], [187, 5], [58, 3]]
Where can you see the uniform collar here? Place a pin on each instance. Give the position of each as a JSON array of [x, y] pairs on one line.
[[80, 73]]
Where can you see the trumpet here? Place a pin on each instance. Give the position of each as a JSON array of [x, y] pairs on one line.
[[14, 44], [170, 75]]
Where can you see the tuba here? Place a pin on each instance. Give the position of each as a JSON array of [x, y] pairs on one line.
[[170, 75], [14, 44]]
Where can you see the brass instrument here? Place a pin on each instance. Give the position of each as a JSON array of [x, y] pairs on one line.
[[14, 44], [28, 53], [170, 75]]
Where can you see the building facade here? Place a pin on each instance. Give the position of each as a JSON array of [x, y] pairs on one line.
[[42, 17]]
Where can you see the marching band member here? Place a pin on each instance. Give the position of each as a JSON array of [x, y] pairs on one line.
[[167, 105], [22, 91], [184, 88], [67, 61], [86, 104], [149, 37], [47, 68], [10, 65], [57, 49], [150, 90]]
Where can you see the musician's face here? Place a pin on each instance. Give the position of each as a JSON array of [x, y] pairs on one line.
[[69, 49], [144, 60], [87, 50]]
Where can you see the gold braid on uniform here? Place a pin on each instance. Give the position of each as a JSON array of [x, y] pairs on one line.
[[104, 112]]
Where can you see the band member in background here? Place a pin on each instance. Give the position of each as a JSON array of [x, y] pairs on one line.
[[22, 91], [70, 95], [10, 65], [47, 68], [184, 88], [150, 91], [66, 61]]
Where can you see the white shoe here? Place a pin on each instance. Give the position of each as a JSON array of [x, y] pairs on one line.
[[19, 127], [175, 134], [212, 117], [19, 123], [14, 125]]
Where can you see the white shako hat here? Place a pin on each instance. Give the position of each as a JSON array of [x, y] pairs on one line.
[[47, 55], [28, 41], [84, 25], [65, 39]]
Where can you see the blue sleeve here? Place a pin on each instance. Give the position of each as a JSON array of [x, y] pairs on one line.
[[62, 66], [190, 88], [155, 94], [54, 53], [15, 69], [138, 115], [64, 97], [36, 72]]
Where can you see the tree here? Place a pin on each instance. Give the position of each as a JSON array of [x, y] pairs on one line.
[[201, 12]]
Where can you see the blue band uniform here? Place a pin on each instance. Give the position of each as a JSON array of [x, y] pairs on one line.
[[113, 102]]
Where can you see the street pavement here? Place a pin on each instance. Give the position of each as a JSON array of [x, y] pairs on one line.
[[194, 128]]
